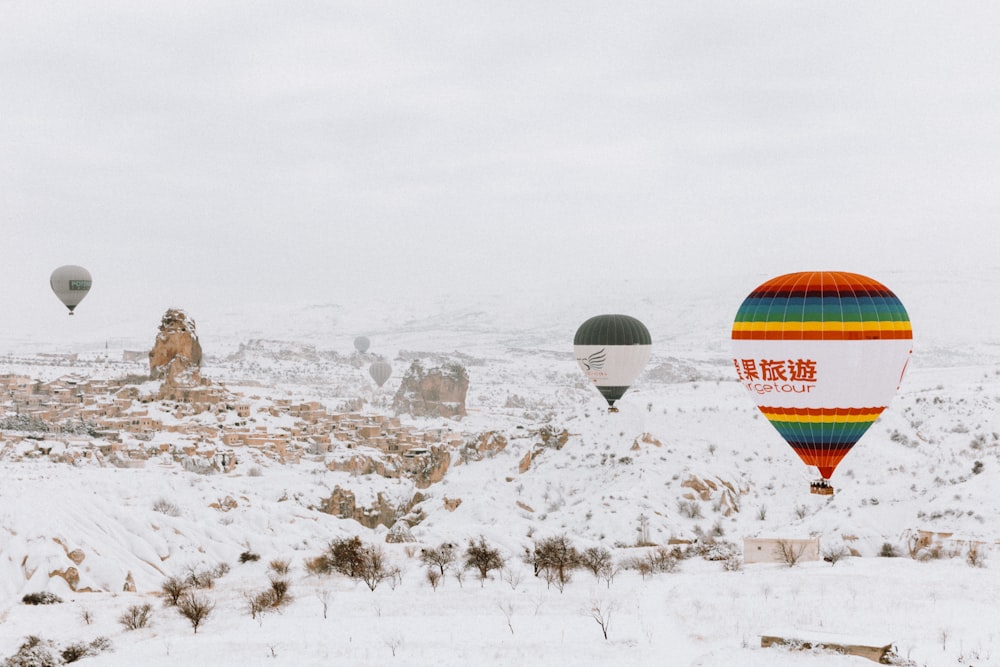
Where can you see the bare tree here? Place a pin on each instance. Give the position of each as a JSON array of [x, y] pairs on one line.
[[393, 641], [555, 558], [601, 611], [507, 608], [374, 567], [433, 577], [441, 556], [596, 559], [479, 555], [195, 608], [323, 594]]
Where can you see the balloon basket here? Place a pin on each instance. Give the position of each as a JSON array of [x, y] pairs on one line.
[[821, 487], [612, 409]]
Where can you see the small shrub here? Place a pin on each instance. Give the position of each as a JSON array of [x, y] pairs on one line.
[[173, 588], [789, 552], [34, 652], [689, 508], [279, 566], [42, 597], [195, 608], [249, 557], [279, 589], [888, 550], [80, 650], [833, 555], [164, 506], [663, 560], [136, 616], [433, 577], [975, 556]]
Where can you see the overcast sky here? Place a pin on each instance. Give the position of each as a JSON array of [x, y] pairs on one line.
[[212, 155]]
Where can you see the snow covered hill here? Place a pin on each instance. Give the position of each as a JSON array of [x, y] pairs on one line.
[[689, 459]]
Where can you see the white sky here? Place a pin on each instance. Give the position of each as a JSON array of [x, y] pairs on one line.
[[213, 155]]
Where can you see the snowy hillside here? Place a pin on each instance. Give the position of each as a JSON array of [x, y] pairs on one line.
[[689, 460]]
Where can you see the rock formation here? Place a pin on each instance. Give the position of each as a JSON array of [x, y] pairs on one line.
[[176, 355], [438, 392]]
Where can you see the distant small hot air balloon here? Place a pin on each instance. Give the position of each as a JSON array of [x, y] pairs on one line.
[[821, 353], [380, 371], [361, 344], [70, 283], [612, 350]]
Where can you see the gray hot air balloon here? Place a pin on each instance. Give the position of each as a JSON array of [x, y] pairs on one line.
[[612, 350], [380, 371], [361, 344], [70, 283]]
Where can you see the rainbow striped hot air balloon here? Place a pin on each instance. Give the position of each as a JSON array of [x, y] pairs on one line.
[[822, 353]]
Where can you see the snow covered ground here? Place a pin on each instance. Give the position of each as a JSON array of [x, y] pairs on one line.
[[620, 479]]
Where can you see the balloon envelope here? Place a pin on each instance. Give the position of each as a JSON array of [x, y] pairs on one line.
[[612, 350], [380, 371], [70, 283], [822, 354], [361, 344]]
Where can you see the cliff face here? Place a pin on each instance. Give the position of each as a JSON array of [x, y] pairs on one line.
[[176, 354], [437, 392]]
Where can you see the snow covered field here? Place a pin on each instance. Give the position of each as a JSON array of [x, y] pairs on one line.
[[619, 480]]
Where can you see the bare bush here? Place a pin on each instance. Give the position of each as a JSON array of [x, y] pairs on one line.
[[280, 565], [661, 559], [137, 616], [164, 506], [279, 590], [195, 608], [249, 556], [80, 650], [259, 602], [833, 555], [689, 508], [172, 589], [789, 552], [434, 577], [975, 556]]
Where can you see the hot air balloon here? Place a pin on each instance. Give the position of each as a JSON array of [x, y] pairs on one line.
[[822, 354], [612, 350], [70, 283], [380, 371], [361, 344]]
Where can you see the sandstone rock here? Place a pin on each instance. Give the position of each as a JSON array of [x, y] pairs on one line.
[[343, 503], [438, 392], [176, 354], [451, 504]]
